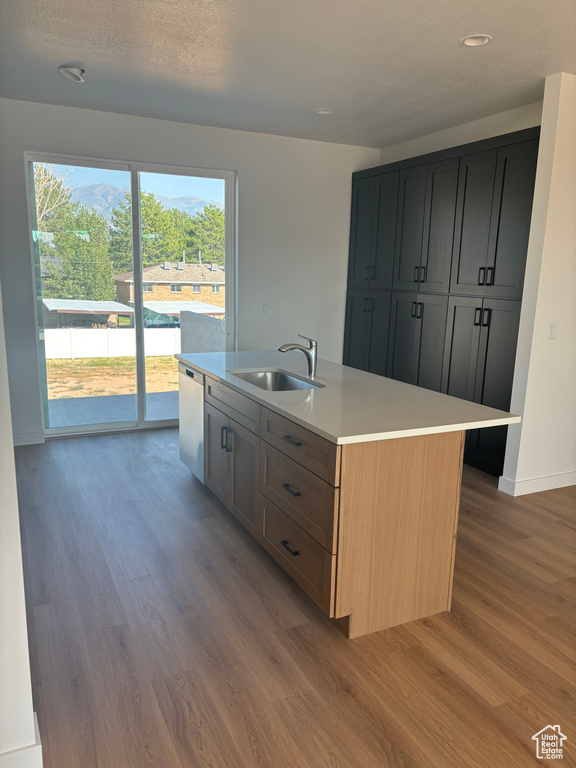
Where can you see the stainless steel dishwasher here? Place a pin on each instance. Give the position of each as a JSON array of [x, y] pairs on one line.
[[191, 410]]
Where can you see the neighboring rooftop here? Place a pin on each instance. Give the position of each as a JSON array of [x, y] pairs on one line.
[[85, 307], [173, 272]]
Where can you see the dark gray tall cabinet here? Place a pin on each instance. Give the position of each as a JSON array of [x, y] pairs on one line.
[[437, 257]]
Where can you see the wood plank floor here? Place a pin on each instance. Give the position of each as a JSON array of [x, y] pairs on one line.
[[162, 635]]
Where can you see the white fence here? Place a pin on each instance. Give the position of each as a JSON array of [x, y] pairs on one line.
[[71, 343]]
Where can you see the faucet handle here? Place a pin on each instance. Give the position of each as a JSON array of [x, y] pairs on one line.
[[312, 342]]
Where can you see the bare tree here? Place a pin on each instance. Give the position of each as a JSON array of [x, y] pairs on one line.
[[51, 192]]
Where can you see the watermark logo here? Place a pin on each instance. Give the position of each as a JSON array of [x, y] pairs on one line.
[[549, 743]]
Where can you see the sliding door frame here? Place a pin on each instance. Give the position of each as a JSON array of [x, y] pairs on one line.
[[231, 284]]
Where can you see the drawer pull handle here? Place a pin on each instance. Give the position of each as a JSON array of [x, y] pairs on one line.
[[293, 552], [292, 442], [287, 488]]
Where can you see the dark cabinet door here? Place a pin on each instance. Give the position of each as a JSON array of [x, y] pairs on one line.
[[440, 212], [510, 224], [409, 227], [431, 314], [386, 203], [357, 329], [494, 375], [461, 346], [472, 229], [416, 345], [379, 314], [362, 225], [498, 339], [404, 340]]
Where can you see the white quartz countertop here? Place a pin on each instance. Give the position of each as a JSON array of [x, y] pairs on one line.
[[353, 406]]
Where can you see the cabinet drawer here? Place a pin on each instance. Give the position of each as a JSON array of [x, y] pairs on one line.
[[310, 565], [312, 451], [305, 497], [239, 407]]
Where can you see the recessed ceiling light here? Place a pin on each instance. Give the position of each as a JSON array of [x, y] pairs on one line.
[[473, 41], [76, 74], [323, 110]]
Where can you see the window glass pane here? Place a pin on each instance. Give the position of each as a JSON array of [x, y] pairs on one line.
[[183, 254], [81, 232]]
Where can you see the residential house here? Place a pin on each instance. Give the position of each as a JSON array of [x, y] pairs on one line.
[[175, 282]]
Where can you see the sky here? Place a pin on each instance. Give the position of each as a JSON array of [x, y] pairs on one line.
[[158, 183]]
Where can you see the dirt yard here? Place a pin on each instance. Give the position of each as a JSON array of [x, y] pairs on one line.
[[95, 376]]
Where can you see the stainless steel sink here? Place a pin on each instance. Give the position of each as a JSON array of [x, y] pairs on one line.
[[276, 380]]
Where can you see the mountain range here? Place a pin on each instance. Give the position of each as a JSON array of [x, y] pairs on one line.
[[104, 197]]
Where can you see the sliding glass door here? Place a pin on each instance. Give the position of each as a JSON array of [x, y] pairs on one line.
[[132, 265]]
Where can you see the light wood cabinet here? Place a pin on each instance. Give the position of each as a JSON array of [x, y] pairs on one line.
[[215, 456], [367, 530], [309, 564], [231, 466], [310, 501], [312, 451]]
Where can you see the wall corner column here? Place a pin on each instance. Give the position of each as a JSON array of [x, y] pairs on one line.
[[541, 451]]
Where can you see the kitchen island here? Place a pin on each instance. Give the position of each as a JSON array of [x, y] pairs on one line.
[[352, 486]]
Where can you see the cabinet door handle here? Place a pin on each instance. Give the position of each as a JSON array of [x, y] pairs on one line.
[[372, 272], [416, 274], [413, 313], [366, 304], [286, 487], [293, 552], [223, 437], [490, 276], [477, 315], [189, 373], [292, 442], [367, 268], [481, 275], [422, 274], [420, 310], [229, 447], [486, 317]]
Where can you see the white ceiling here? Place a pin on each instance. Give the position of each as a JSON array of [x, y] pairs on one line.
[[392, 70]]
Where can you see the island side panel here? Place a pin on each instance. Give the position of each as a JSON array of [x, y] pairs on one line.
[[399, 502]]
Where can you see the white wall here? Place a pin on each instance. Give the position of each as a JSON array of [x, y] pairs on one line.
[[494, 125], [541, 452], [17, 724], [293, 224]]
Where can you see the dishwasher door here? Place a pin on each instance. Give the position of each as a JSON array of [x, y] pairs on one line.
[[191, 410]]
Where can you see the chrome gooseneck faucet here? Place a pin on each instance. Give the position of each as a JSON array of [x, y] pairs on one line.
[[309, 351]]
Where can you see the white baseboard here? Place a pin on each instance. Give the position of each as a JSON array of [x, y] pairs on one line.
[[27, 757], [29, 438], [536, 484]]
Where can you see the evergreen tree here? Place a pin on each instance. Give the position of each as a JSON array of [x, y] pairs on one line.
[[164, 233], [83, 267], [207, 234]]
